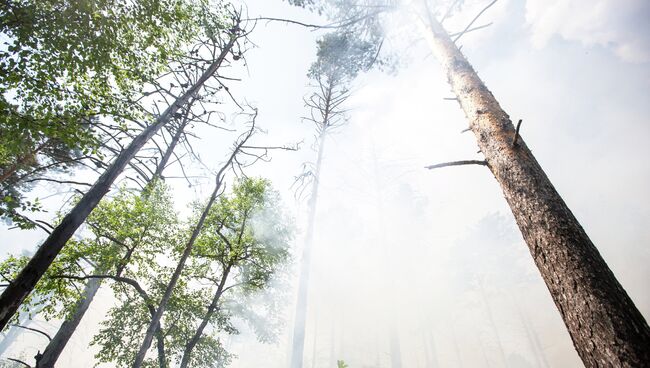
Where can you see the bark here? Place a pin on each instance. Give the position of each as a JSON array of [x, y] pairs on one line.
[[305, 266], [15, 293], [606, 327], [206, 319]]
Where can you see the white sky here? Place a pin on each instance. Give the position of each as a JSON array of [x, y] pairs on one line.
[[394, 240]]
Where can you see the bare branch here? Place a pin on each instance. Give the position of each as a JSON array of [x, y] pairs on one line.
[[457, 163], [34, 330]]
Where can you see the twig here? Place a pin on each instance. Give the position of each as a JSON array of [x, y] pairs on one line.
[[34, 330], [19, 361], [514, 141], [474, 20], [457, 163]]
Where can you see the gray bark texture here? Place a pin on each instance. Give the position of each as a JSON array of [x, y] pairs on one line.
[[606, 327]]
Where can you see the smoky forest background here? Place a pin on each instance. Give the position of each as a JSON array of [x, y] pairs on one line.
[[324, 183]]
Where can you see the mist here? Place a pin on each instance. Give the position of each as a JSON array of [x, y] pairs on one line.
[[427, 268]]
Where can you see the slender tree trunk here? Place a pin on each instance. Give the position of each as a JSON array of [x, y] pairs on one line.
[[606, 327], [155, 319], [170, 149], [206, 319], [531, 335], [68, 327], [305, 265], [22, 286], [395, 349], [495, 329]]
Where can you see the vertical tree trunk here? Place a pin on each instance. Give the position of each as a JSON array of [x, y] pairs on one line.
[[305, 266], [155, 319], [187, 352], [395, 349], [606, 327], [13, 296], [493, 325]]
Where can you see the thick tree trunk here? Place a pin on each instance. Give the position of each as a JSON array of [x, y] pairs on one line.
[[187, 352], [305, 266], [606, 327], [21, 287]]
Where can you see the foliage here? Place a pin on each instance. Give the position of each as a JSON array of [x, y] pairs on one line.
[[65, 63], [341, 364], [131, 229], [244, 233]]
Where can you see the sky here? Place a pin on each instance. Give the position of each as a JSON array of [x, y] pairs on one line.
[[433, 260]]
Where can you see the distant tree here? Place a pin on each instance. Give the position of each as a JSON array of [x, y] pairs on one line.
[[604, 324], [340, 57]]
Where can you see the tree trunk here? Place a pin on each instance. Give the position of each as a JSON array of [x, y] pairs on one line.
[[170, 149], [21, 287], [395, 349], [155, 319], [68, 327], [206, 319], [305, 266], [60, 340], [493, 325], [606, 327]]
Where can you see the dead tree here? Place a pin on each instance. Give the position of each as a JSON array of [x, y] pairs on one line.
[[606, 327]]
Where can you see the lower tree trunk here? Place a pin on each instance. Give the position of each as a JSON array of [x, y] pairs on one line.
[[187, 352], [13, 296], [606, 327], [305, 267], [395, 349], [62, 336]]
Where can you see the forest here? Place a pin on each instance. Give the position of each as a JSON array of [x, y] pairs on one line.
[[324, 183]]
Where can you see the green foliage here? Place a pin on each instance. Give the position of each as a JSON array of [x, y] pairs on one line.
[[64, 63], [341, 364], [244, 233], [131, 229]]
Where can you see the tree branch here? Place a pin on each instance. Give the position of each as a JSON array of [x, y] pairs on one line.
[[457, 163]]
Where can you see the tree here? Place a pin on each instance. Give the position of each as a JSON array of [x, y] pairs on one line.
[[244, 242], [604, 324], [340, 57], [20, 287], [66, 64]]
